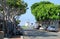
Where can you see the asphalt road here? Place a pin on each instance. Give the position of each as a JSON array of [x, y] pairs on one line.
[[41, 34]]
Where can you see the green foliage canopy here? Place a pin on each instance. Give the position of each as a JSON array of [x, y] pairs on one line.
[[18, 6], [45, 11]]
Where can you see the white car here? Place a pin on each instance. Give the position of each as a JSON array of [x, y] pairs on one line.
[[41, 28]]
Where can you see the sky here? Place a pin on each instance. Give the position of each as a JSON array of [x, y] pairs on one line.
[[28, 16]]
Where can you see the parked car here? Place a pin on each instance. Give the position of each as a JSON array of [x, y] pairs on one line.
[[52, 28], [41, 28]]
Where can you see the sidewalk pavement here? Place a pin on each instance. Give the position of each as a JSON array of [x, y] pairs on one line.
[[17, 37], [12, 38]]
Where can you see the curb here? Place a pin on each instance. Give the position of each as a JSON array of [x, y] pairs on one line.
[[16, 38]]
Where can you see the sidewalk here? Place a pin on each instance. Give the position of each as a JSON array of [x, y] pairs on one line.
[[15, 37], [12, 38]]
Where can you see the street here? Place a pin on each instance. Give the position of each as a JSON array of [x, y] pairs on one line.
[[38, 34], [41, 35]]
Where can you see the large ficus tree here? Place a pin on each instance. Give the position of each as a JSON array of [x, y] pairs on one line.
[[45, 11], [12, 8], [9, 9]]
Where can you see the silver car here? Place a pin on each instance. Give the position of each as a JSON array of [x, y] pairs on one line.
[[52, 28]]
